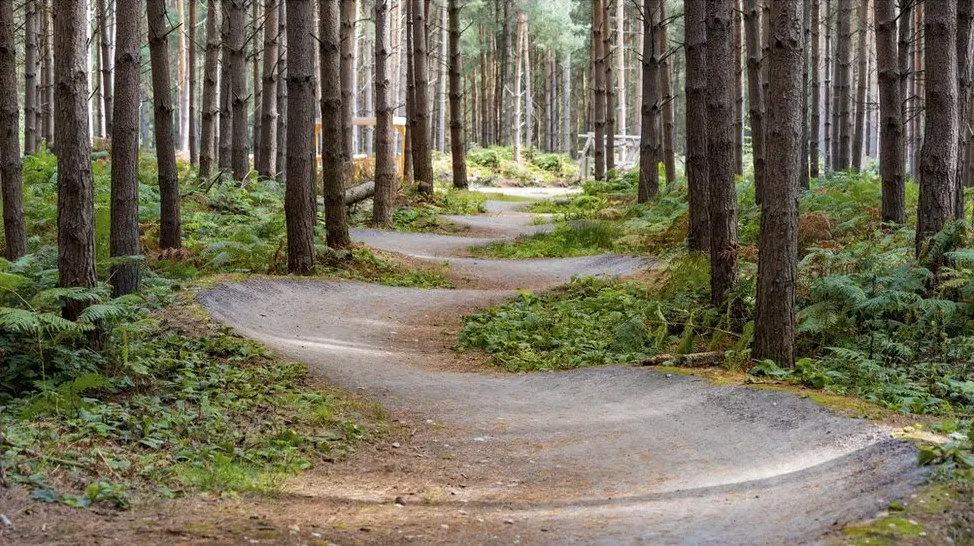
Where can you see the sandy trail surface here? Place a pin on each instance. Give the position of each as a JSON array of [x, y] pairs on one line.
[[604, 455]]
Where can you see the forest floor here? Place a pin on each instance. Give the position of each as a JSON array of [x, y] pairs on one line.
[[476, 456]]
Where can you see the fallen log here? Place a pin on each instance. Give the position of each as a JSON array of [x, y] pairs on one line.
[[359, 193], [691, 360]]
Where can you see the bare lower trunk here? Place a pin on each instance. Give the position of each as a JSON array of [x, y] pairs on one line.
[[226, 103], [268, 99], [170, 231], [299, 193], [720, 150], [650, 144], [332, 155], [566, 108], [281, 161], [14, 228], [695, 37], [443, 76], [385, 165], [904, 35], [76, 202], [47, 76], [256, 54], [843, 87], [965, 74], [774, 321], [598, 88], [892, 163], [348, 16], [610, 108], [816, 102], [668, 112], [211, 110], [31, 50], [422, 156], [518, 70], [938, 157], [457, 145], [124, 238], [860, 122], [755, 91], [182, 75], [191, 86], [240, 140]]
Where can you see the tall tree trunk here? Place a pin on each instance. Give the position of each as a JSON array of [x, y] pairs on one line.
[[442, 77], [76, 186], [368, 101], [807, 18], [610, 109], [281, 161], [268, 100], [892, 164], [774, 320], [14, 228], [170, 230], [94, 67], [47, 75], [668, 113], [332, 152], [410, 88], [240, 139], [385, 165], [938, 157], [739, 88], [965, 74], [918, 77], [458, 147], [622, 67], [194, 155], [861, 106], [720, 150], [843, 87], [598, 87], [124, 237], [527, 88], [518, 76], [904, 63], [814, 154], [226, 101], [299, 192], [650, 146], [348, 15], [566, 108], [253, 33], [698, 178], [31, 47], [503, 94], [182, 129], [829, 109], [422, 153], [208, 144], [755, 91]]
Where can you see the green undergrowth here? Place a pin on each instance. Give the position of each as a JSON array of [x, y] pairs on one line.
[[489, 166], [566, 239], [421, 213]]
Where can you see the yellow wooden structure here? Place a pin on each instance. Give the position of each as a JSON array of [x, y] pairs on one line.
[[364, 163]]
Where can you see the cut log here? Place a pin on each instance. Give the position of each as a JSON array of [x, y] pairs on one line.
[[692, 360], [359, 193]]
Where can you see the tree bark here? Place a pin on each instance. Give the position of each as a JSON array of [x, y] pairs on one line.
[[422, 153], [170, 232], [668, 101], [14, 227], [281, 161], [861, 105], [47, 76], [904, 35], [332, 150], [938, 156], [268, 100], [385, 165], [76, 186], [774, 320], [649, 143], [892, 163], [720, 150], [698, 178], [965, 74], [755, 91], [31, 49], [610, 109], [566, 108], [348, 15], [410, 89], [194, 155], [843, 87], [299, 190], [256, 54], [621, 83], [458, 148], [182, 76], [240, 140], [442, 77], [828, 70], [598, 88], [518, 76], [208, 144], [124, 237], [226, 103], [814, 154], [739, 88]]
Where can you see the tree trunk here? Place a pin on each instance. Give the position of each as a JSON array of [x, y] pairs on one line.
[[443, 76], [226, 102], [240, 140], [904, 35], [47, 75], [566, 109], [14, 227], [828, 71], [738, 88], [124, 237], [965, 74], [503, 94], [194, 155], [720, 150], [281, 161], [348, 15], [918, 77], [410, 95], [368, 100], [422, 153], [182, 129], [31, 47], [861, 106], [253, 32], [649, 143], [622, 67], [299, 192], [268, 100], [94, 67], [76, 186], [518, 70], [610, 109], [843, 87], [668, 101], [892, 164], [755, 91], [816, 77], [598, 88], [938, 157], [170, 233], [774, 320], [698, 179], [385, 165], [458, 147], [333, 161], [208, 145], [529, 131]]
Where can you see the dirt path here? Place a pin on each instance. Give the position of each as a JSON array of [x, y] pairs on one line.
[[600, 455]]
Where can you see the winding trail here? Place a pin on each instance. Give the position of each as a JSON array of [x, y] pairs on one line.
[[596, 456]]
